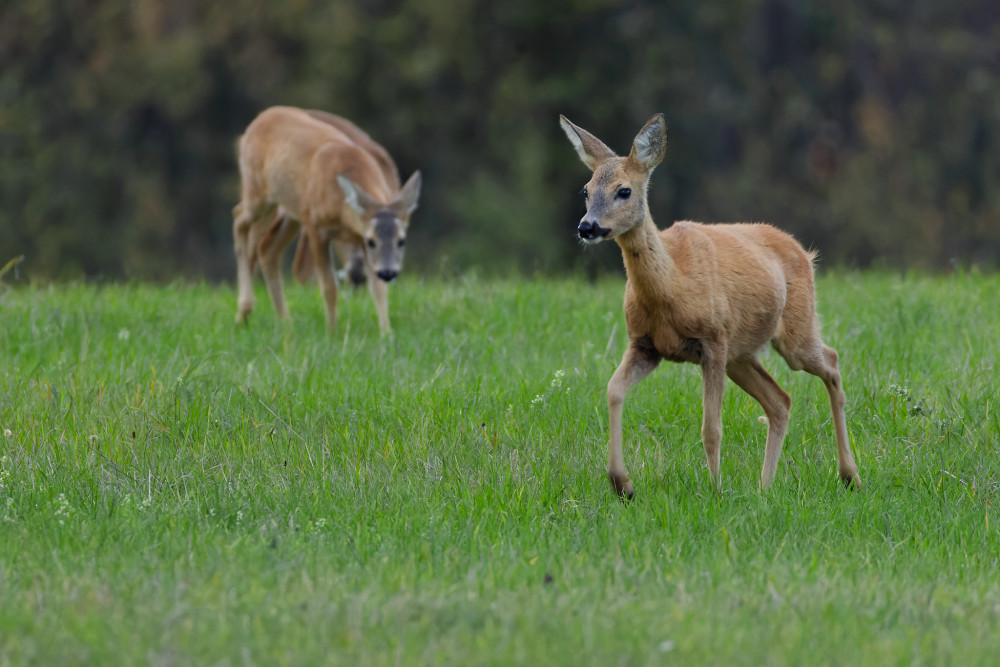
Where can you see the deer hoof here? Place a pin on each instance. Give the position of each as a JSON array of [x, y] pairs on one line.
[[243, 309], [622, 486], [851, 480]]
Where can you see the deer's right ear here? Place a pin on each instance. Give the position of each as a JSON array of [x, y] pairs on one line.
[[592, 151], [356, 198]]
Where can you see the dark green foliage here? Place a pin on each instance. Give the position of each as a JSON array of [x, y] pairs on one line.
[[867, 130]]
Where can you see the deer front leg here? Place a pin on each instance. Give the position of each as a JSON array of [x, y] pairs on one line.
[[269, 251], [713, 370], [636, 365], [324, 273], [380, 295]]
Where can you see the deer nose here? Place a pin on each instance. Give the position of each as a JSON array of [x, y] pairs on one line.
[[387, 274], [587, 229]]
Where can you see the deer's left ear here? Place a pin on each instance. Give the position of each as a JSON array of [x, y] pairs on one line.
[[406, 201], [650, 145]]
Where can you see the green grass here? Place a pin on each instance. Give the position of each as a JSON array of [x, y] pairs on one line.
[[176, 489]]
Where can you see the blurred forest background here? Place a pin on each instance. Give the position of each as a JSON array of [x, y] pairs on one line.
[[870, 129]]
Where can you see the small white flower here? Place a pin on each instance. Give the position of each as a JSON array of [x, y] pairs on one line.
[[537, 399], [239, 516], [61, 508], [762, 419], [896, 390], [557, 379], [123, 334], [7, 432]]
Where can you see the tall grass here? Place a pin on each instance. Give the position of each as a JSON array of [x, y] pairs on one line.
[[177, 489]]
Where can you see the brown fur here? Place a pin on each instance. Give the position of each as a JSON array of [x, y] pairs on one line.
[[713, 295], [351, 255], [320, 172]]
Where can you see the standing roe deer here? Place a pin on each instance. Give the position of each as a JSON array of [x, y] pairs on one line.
[[713, 295], [312, 173]]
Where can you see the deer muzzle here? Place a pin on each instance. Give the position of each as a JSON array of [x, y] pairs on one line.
[[590, 231]]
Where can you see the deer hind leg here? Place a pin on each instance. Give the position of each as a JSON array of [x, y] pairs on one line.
[[636, 365], [750, 376], [244, 217], [827, 369], [269, 252], [821, 360]]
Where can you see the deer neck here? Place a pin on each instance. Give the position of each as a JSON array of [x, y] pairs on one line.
[[648, 265]]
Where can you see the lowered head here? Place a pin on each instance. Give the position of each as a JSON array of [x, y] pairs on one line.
[[384, 225]]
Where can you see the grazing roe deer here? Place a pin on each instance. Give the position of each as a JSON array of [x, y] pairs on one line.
[[312, 174], [351, 255], [712, 295]]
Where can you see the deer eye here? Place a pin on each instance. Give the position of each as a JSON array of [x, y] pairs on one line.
[[624, 193], [585, 194], [371, 243]]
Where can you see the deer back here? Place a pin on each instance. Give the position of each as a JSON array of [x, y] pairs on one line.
[[292, 160]]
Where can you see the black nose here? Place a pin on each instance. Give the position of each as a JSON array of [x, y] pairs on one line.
[[387, 274], [587, 229]]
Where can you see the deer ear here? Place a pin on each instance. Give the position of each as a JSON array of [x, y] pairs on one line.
[[356, 198], [591, 150], [650, 144], [406, 201]]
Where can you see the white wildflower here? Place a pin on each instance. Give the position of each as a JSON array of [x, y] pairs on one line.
[[7, 432], [537, 399], [896, 390], [557, 379], [61, 508], [123, 334]]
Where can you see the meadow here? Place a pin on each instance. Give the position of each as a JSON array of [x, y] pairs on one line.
[[176, 489]]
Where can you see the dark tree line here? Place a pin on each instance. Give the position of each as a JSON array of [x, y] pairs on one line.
[[867, 129]]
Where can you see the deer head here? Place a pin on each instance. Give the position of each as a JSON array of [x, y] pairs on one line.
[[616, 194], [384, 225]]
